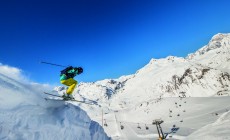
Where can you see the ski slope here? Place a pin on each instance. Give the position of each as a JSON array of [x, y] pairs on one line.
[[194, 114]]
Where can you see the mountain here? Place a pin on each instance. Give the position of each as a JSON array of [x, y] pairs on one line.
[[154, 90], [206, 70], [25, 114]]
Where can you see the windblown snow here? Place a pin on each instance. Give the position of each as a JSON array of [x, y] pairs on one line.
[[25, 115], [190, 94]]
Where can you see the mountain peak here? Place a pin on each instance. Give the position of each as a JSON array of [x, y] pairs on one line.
[[218, 41], [219, 37]]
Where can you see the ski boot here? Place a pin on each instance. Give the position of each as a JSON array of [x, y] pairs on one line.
[[67, 96]]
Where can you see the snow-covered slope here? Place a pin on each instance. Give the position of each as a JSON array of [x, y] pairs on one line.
[[219, 130], [154, 89], [25, 115]]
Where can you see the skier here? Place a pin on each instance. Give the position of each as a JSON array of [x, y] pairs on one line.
[[66, 78]]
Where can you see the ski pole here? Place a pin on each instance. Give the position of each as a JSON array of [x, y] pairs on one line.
[[52, 64]]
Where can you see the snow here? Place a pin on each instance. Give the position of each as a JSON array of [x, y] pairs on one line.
[[219, 130], [24, 114], [190, 93]]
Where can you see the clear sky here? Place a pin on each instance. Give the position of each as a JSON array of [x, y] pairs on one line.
[[108, 38]]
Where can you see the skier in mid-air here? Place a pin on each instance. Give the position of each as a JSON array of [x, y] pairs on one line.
[[66, 78]]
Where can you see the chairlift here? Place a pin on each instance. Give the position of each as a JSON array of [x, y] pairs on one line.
[[138, 126], [146, 127], [122, 127], [105, 124]]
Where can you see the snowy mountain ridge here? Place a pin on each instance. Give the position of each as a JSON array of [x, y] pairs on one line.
[[218, 41], [207, 69]]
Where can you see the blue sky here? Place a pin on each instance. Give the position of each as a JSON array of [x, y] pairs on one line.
[[108, 38]]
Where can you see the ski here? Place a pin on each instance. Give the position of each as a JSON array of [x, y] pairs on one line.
[[52, 94], [62, 99], [69, 100]]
